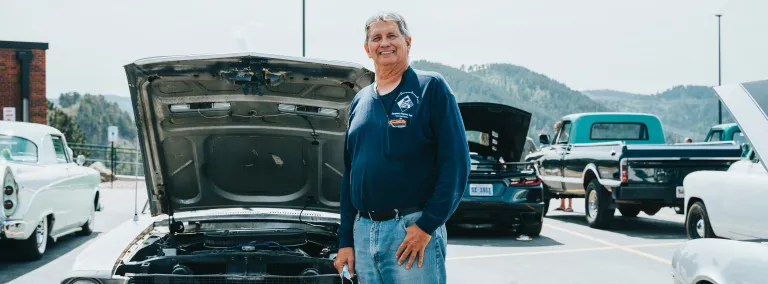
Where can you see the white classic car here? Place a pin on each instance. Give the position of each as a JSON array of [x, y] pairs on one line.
[[244, 161], [45, 193], [725, 211]]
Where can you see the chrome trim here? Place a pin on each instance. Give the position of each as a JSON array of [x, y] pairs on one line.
[[13, 229], [680, 159]]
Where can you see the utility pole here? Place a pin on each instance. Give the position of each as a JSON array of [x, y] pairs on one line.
[[719, 77], [303, 28]]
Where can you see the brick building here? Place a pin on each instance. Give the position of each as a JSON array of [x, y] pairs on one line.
[[22, 80]]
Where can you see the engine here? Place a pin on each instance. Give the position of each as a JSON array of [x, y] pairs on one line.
[[238, 255]]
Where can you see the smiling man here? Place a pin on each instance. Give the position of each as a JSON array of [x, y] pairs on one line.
[[407, 164]]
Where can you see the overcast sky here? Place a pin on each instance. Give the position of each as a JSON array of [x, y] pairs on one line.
[[643, 46]]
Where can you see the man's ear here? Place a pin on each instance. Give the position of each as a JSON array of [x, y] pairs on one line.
[[367, 51], [408, 43]]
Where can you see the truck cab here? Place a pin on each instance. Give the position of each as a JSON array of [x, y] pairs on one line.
[[728, 132]]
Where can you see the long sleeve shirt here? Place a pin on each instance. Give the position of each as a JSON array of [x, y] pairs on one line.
[[402, 149]]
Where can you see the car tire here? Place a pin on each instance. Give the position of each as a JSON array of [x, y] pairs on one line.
[[597, 206], [533, 229], [34, 247], [697, 224], [87, 228], [629, 211]]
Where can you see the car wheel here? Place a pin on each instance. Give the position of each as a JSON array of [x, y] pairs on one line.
[[533, 229], [629, 211], [697, 224], [87, 228], [599, 214], [34, 247]]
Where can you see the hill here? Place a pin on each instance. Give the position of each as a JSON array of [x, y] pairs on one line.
[[683, 110], [93, 114]]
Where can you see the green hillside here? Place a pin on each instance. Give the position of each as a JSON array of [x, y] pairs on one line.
[[93, 114], [683, 110]]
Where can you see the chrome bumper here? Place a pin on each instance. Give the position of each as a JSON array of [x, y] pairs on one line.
[[11, 229]]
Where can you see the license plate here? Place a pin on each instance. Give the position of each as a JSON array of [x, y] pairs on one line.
[[680, 192], [481, 189]]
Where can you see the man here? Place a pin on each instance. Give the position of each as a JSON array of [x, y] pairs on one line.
[[407, 164], [562, 200]]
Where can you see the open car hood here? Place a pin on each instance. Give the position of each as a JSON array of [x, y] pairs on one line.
[[495, 130], [748, 104], [243, 130]]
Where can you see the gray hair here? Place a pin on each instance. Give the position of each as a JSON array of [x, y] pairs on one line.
[[388, 16]]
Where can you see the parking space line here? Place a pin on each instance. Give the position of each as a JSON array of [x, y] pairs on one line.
[[529, 253], [610, 244], [562, 251]]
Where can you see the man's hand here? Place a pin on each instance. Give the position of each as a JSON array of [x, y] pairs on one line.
[[345, 256], [413, 245]]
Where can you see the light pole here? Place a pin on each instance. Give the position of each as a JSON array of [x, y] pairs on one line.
[[719, 77], [303, 28]]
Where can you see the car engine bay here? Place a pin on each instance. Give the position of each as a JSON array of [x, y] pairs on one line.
[[211, 252]]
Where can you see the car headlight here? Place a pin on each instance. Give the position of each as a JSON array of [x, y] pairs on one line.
[[84, 281]]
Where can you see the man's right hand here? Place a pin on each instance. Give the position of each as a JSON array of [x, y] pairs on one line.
[[345, 256]]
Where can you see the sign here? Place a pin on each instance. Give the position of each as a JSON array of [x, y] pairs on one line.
[[112, 134], [9, 113]]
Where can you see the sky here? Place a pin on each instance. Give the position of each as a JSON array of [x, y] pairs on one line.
[[642, 46]]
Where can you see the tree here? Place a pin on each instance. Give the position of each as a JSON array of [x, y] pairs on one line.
[[67, 125]]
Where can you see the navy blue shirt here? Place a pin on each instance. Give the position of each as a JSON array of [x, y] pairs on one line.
[[406, 148]]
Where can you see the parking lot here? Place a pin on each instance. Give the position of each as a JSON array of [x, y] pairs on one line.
[[636, 250]]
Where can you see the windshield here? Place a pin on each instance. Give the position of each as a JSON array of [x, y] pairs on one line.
[[17, 149]]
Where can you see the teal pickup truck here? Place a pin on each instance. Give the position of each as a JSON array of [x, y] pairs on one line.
[[728, 132], [621, 161]]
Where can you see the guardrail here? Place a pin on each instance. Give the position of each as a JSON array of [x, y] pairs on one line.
[[121, 160]]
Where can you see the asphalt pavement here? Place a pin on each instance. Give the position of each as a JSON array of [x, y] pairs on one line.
[[635, 250]]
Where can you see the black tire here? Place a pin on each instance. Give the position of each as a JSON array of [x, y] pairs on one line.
[[629, 211], [601, 215], [697, 222], [34, 247], [87, 228], [650, 211], [533, 229]]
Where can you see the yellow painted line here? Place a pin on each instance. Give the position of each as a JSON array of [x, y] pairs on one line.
[[610, 244], [559, 251]]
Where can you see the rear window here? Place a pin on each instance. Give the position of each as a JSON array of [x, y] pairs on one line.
[[618, 131], [17, 149]]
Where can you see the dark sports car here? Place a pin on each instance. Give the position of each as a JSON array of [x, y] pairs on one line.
[[500, 190]]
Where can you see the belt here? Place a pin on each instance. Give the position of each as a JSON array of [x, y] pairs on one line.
[[384, 215]]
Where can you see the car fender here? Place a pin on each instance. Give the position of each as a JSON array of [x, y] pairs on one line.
[[607, 183], [99, 259]]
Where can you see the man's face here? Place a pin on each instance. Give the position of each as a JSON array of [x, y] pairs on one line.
[[386, 45]]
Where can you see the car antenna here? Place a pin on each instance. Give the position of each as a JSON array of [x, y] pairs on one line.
[[136, 188]]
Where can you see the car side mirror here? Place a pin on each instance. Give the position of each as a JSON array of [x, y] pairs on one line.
[[543, 139], [80, 160]]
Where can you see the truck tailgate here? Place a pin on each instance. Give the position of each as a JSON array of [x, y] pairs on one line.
[[669, 164]]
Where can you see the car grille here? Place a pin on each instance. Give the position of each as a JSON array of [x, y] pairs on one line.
[[226, 279]]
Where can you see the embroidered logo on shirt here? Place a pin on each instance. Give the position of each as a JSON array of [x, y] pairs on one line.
[[405, 103]]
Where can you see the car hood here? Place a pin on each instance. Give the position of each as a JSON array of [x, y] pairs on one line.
[[243, 130], [495, 130], [748, 104]]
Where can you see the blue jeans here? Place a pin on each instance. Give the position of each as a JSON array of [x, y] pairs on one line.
[[376, 244]]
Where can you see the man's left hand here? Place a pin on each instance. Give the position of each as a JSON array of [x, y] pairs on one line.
[[413, 245]]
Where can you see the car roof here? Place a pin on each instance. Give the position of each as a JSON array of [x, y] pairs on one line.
[[634, 115], [28, 130]]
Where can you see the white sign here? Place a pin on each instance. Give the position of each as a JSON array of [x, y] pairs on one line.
[[112, 133], [9, 113]]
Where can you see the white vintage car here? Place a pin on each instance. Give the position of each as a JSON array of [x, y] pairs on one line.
[[45, 193], [725, 211], [244, 161]]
